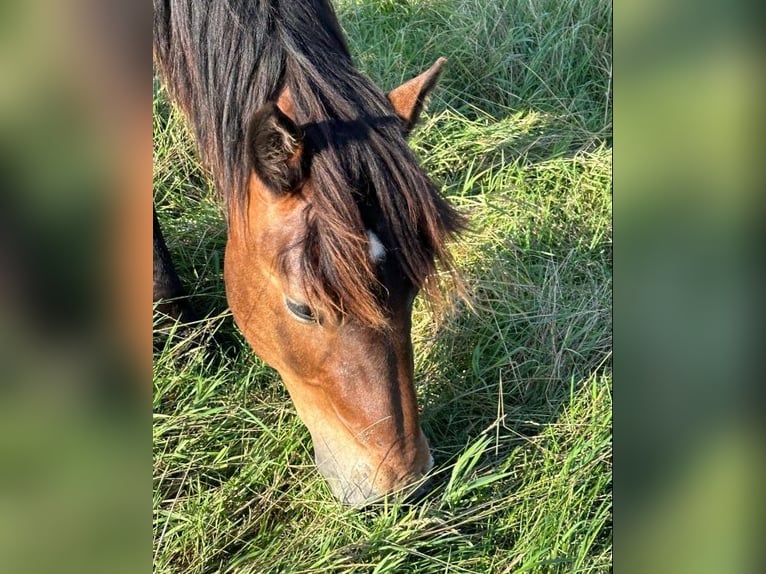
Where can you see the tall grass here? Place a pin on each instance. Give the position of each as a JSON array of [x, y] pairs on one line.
[[515, 391]]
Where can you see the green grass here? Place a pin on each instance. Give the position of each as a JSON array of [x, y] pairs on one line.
[[516, 391]]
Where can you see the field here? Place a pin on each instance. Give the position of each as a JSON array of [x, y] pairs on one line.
[[515, 390]]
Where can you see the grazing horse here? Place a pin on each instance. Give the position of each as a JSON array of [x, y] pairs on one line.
[[333, 227]]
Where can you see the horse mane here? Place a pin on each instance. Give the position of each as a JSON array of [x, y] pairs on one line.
[[223, 60]]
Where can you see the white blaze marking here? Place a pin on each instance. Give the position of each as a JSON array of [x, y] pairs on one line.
[[377, 251]]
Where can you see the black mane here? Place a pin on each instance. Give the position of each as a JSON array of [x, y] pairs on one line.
[[223, 60]]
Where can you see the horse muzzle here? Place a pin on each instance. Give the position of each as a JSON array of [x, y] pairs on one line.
[[358, 480]]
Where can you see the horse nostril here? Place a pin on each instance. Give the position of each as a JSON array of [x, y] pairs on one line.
[[420, 493]]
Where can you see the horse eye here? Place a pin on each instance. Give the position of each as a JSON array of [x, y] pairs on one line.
[[301, 311]]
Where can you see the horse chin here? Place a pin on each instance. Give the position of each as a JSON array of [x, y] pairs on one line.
[[355, 482]]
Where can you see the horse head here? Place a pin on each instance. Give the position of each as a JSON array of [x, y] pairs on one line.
[[319, 282]]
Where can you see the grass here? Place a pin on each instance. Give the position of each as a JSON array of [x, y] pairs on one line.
[[516, 392]]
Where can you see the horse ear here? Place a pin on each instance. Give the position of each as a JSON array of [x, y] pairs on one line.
[[275, 148], [409, 98]]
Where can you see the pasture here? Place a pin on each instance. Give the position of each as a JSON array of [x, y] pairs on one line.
[[515, 388]]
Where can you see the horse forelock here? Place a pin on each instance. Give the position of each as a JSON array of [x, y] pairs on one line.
[[366, 181]]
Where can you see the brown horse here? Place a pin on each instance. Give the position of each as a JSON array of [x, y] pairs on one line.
[[333, 227]]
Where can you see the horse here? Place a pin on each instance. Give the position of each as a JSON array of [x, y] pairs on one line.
[[333, 226]]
